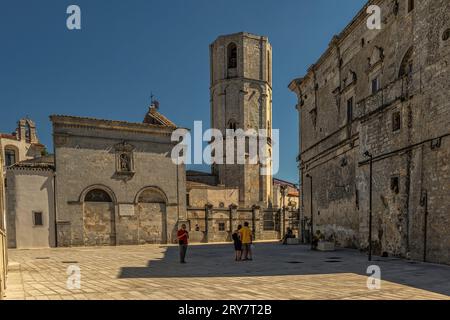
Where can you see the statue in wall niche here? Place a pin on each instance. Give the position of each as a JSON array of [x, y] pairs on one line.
[[124, 158], [125, 162]]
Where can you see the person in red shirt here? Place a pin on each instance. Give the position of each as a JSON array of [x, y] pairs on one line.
[[183, 236]]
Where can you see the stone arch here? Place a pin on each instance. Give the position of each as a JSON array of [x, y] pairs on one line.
[[406, 66], [155, 194], [98, 212], [99, 187], [97, 195], [151, 208]]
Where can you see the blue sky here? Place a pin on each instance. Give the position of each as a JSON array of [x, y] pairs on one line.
[[128, 49]]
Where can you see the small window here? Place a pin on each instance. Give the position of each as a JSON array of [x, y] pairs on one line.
[[375, 85], [232, 125], [363, 42], [436, 143], [350, 110], [313, 114], [10, 157], [38, 219], [396, 121], [395, 185], [410, 5], [187, 199], [221, 226], [446, 35]]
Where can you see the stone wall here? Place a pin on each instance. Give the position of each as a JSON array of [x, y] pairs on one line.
[[212, 224], [404, 124], [86, 159], [3, 241], [30, 191]]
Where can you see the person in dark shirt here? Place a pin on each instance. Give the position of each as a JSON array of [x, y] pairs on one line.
[[183, 236], [289, 234], [237, 243]]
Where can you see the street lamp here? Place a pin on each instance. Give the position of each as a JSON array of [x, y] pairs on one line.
[[283, 190], [367, 154], [311, 206]]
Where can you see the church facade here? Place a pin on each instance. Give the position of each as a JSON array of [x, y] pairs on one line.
[[115, 182]]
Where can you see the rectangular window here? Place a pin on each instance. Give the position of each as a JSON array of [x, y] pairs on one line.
[[375, 85], [38, 219], [350, 110], [396, 121], [221, 226], [10, 157], [187, 199], [395, 185], [410, 5]]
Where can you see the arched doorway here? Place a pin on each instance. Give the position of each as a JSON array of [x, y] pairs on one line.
[[98, 218], [151, 208]]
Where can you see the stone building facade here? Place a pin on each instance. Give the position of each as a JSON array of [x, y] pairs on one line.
[[385, 92], [116, 182], [3, 240], [30, 207], [241, 98], [23, 144]]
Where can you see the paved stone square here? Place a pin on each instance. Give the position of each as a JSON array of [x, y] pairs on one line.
[[277, 272]]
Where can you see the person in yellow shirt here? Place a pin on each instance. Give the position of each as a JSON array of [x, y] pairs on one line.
[[247, 239]]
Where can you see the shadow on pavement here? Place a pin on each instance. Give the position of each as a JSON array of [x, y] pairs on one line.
[[274, 259]]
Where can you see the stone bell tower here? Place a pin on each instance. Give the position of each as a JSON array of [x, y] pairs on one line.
[[241, 98]]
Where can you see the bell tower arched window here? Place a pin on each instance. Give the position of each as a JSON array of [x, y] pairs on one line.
[[27, 132], [232, 56]]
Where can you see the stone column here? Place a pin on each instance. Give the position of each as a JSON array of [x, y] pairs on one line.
[[256, 219], [233, 217], [208, 222]]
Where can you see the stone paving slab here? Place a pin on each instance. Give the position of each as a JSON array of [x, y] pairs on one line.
[[277, 272]]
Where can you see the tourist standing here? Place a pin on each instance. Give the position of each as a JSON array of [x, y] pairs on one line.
[[237, 243], [183, 236], [246, 238]]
